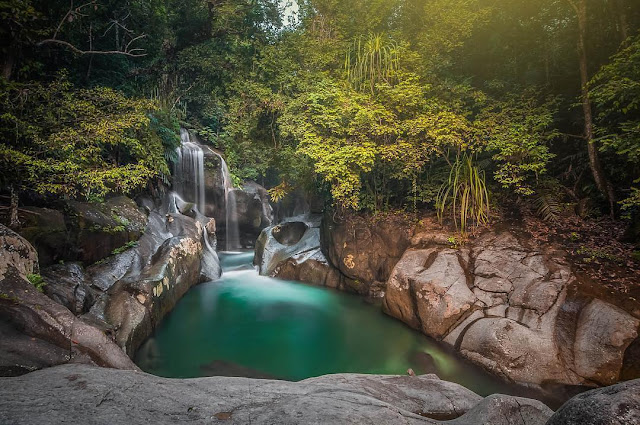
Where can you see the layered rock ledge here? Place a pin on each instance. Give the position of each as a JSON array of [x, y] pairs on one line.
[[83, 394]]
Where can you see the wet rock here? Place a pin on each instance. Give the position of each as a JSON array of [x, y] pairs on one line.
[[289, 233], [83, 394], [291, 250], [137, 303], [253, 208], [614, 405], [364, 250], [66, 284]]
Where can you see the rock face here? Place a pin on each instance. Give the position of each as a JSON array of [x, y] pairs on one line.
[[252, 201], [615, 405], [84, 232], [83, 394], [143, 285], [363, 251], [291, 250], [26, 312], [18, 256], [506, 307], [96, 313]]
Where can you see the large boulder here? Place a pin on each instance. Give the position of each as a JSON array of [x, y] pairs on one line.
[[365, 249], [291, 250], [428, 290], [81, 231], [615, 405], [511, 308], [146, 283], [254, 211], [82, 394]]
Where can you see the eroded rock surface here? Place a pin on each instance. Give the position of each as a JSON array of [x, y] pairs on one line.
[[291, 250], [25, 311], [506, 307], [113, 305], [82, 394], [364, 251]]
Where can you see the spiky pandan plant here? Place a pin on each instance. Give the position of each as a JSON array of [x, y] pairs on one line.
[[464, 195], [371, 61]]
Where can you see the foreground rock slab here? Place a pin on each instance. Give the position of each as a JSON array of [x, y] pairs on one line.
[[615, 405], [84, 394]]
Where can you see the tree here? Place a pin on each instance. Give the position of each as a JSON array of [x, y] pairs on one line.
[[56, 140], [603, 184]]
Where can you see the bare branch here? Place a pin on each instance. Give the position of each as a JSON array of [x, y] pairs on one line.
[[136, 53], [130, 53]]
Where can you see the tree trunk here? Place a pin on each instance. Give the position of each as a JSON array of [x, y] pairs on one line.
[[14, 221], [621, 16], [602, 183], [8, 64]]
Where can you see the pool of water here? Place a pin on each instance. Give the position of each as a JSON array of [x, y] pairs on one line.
[[254, 326]]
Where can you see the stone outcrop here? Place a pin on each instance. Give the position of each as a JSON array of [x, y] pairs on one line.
[[146, 283], [82, 394], [507, 307], [94, 314], [291, 250], [363, 250], [82, 231], [26, 312], [615, 405], [253, 209]]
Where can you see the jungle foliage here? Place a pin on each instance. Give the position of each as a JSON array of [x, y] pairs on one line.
[[375, 104]]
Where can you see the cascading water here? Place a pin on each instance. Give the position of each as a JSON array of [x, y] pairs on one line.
[[231, 214], [189, 172]]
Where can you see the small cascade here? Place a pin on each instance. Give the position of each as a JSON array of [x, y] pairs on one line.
[[188, 173], [231, 214]]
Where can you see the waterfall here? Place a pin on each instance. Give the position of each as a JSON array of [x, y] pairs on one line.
[[188, 179], [231, 214]]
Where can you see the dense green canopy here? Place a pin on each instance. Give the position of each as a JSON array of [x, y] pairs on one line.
[[375, 104]]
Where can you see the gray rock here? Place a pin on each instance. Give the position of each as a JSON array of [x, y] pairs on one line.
[[429, 287], [603, 333], [498, 409], [40, 317], [615, 405], [291, 250], [517, 320], [20, 353], [16, 254], [83, 394], [67, 285]]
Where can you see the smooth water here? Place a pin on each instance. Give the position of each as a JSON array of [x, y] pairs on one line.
[[188, 172], [249, 325], [232, 239]]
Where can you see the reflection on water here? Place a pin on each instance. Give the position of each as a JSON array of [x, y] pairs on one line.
[[249, 325]]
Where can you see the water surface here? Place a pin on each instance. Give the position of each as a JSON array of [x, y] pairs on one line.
[[249, 325]]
